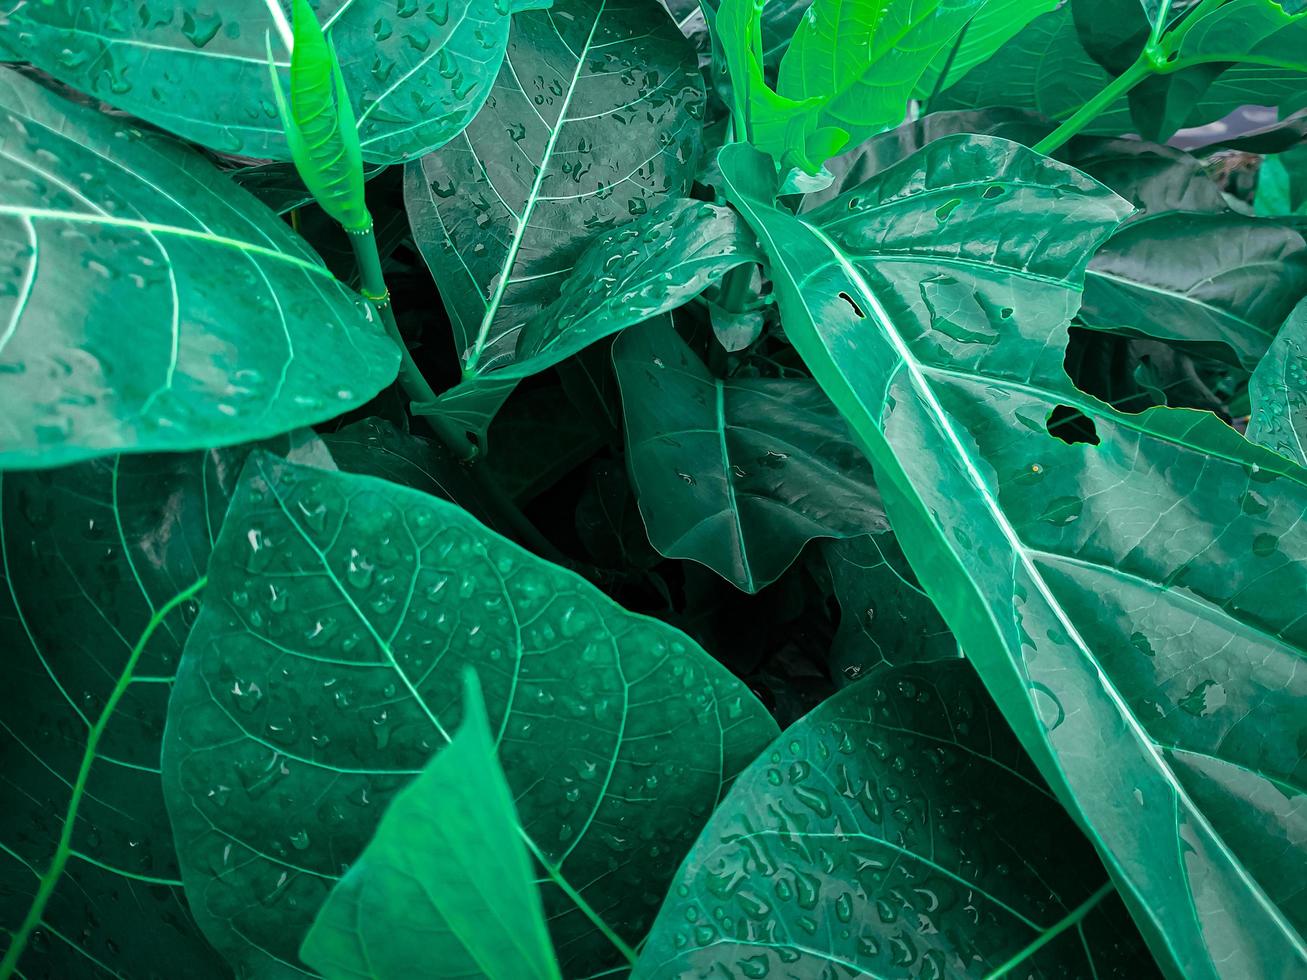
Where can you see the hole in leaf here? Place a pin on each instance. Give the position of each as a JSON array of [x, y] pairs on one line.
[[944, 210], [993, 191], [1006, 313], [854, 203], [856, 308], [1072, 426]]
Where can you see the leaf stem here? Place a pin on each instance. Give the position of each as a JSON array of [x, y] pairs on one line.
[[64, 848], [372, 284], [1113, 90]]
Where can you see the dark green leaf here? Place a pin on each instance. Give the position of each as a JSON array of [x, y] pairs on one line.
[[1222, 283], [1278, 391], [417, 73], [595, 117], [885, 617], [1126, 585], [446, 882], [375, 447], [539, 438], [897, 830], [1282, 184], [237, 330], [324, 670], [100, 565], [737, 474]]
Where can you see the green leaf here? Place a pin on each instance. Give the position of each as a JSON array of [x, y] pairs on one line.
[[420, 893], [885, 617], [320, 126], [1220, 283], [539, 438], [896, 830], [1126, 585], [737, 474], [107, 226], [503, 213], [848, 73], [100, 567], [632, 274], [1044, 68], [1282, 184], [324, 670], [1278, 391], [418, 73], [994, 24]]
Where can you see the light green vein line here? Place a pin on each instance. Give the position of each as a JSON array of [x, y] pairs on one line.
[[1078, 913], [150, 227], [64, 849]]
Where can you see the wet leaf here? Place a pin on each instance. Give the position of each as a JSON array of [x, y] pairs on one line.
[[896, 830], [325, 670], [237, 329], [416, 72], [1126, 585]]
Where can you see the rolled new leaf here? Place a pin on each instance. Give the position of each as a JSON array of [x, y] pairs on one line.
[[319, 123]]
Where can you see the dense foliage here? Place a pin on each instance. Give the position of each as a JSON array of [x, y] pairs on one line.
[[803, 490]]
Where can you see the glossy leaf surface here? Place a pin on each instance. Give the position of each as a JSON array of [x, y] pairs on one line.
[[1125, 584], [325, 669], [101, 564], [595, 116], [737, 474], [624, 277], [445, 882], [896, 830], [1279, 391], [1221, 282], [238, 331], [417, 72]]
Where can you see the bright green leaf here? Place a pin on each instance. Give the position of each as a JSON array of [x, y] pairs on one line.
[[1282, 184], [325, 669], [993, 25], [1127, 586], [737, 474], [445, 882], [897, 830], [153, 305]]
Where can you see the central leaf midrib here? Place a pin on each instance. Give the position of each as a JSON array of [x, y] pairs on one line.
[[533, 197], [551, 869], [944, 422]]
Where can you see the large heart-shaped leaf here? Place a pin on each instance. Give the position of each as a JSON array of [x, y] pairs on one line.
[[416, 72], [324, 670], [1125, 584], [446, 881], [100, 565], [595, 115], [1278, 391], [153, 305], [736, 473], [897, 830]]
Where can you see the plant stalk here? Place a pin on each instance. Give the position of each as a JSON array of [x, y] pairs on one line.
[[372, 285], [1119, 86]]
